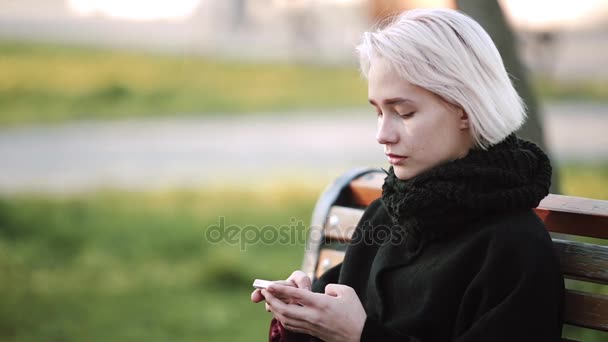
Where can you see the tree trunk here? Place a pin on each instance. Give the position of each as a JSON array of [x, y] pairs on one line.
[[489, 15]]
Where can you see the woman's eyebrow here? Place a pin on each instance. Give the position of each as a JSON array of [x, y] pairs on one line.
[[391, 101]]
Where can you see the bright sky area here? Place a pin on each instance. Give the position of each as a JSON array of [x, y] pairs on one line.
[[535, 13]]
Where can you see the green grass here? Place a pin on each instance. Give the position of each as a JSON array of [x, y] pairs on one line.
[[585, 180], [588, 90], [121, 266], [136, 266], [43, 83], [49, 83]]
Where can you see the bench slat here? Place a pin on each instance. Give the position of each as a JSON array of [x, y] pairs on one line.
[[319, 216], [574, 215], [588, 310], [573, 224], [328, 258], [583, 261], [364, 190], [561, 214], [341, 223]]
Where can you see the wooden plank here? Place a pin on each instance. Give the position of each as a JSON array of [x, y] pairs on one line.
[[575, 215], [588, 310], [328, 258], [311, 250], [341, 223], [366, 188], [561, 214], [319, 216], [583, 261], [577, 205]]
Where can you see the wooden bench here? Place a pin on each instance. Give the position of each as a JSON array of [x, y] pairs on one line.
[[569, 219]]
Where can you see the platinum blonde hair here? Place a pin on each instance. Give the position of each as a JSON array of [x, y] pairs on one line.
[[450, 54]]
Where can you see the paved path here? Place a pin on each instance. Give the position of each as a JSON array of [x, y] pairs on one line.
[[195, 151]]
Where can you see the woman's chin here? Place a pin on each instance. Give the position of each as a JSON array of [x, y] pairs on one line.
[[403, 173]]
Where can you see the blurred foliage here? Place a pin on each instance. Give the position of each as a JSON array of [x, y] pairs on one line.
[[115, 266], [44, 83], [585, 180], [591, 90], [49, 83], [118, 266]]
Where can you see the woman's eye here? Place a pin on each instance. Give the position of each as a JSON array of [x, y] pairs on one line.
[[406, 115]]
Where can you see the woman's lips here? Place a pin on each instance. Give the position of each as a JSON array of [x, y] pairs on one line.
[[395, 159]]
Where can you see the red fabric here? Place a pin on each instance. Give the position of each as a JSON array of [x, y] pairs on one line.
[[278, 333]]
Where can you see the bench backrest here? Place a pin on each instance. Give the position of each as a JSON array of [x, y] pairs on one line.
[[569, 219]]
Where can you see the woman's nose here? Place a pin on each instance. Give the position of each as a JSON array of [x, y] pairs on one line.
[[387, 133]]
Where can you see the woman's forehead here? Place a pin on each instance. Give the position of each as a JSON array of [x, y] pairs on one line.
[[392, 89]]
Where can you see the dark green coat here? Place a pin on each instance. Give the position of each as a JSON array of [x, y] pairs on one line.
[[496, 280]]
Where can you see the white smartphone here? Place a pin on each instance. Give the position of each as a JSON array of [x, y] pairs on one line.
[[261, 284]]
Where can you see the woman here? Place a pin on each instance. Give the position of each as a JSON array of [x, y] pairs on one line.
[[466, 258]]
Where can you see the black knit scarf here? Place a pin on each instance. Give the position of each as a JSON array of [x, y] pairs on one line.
[[511, 175]]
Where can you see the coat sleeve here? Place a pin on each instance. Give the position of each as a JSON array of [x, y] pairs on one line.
[[373, 330], [518, 293], [330, 276]]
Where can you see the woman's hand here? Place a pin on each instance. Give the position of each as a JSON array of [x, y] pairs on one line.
[[297, 279], [337, 315]]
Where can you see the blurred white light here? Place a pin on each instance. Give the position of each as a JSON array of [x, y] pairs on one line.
[[550, 13], [143, 10]]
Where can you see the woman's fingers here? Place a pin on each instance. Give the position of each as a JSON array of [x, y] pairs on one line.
[[293, 294], [338, 290], [273, 301], [301, 280], [285, 283], [297, 279], [256, 296], [289, 283], [335, 315], [293, 317]]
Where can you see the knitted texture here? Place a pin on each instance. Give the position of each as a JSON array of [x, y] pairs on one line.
[[511, 175]]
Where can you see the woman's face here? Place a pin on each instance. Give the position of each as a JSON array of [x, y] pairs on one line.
[[419, 130]]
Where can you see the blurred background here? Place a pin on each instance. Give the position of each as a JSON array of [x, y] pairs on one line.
[[129, 130]]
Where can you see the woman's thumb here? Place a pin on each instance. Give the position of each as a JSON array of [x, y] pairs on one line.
[[333, 290]]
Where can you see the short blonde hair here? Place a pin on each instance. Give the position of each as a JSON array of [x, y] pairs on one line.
[[451, 55]]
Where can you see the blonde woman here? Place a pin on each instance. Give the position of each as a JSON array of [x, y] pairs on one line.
[[452, 251]]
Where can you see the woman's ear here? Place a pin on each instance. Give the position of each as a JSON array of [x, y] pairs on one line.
[[464, 118]]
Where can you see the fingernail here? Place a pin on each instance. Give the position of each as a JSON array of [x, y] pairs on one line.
[[270, 289]]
